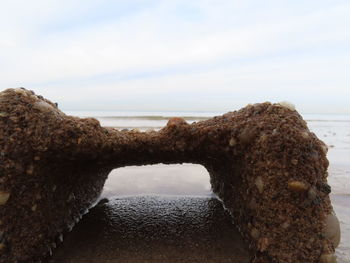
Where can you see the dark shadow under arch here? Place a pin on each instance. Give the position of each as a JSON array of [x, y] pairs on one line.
[[182, 229]]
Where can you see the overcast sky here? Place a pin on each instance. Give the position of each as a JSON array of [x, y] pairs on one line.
[[178, 55]]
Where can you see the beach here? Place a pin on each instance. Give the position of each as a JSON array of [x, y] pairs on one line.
[[153, 228], [176, 201]]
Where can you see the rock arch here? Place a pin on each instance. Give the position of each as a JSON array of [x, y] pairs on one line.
[[265, 165]]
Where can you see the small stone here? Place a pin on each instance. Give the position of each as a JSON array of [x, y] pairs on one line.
[[30, 169], [20, 91], [60, 237], [176, 121], [232, 142], [314, 155], [297, 186], [34, 207], [247, 135], [259, 184], [294, 161], [33, 97], [328, 258], [71, 226], [305, 134], [263, 138], [263, 244], [255, 233], [325, 188], [287, 105], [2, 246], [332, 229], [312, 194], [4, 114], [103, 201], [324, 148], [71, 197], [285, 225], [4, 197], [43, 106]]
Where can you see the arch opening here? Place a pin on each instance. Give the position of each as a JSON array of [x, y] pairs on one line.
[[156, 213], [159, 179]]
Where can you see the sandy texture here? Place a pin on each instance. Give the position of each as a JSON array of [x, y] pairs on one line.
[[155, 229], [265, 165]]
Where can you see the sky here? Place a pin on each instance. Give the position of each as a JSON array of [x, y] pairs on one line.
[[197, 55]]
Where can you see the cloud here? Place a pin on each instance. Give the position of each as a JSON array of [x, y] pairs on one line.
[[91, 49]]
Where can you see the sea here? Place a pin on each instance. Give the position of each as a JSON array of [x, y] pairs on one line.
[[193, 180]]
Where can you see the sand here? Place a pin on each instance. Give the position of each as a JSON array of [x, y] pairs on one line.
[[138, 229]]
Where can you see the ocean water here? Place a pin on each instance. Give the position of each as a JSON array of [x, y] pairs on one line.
[[189, 179]]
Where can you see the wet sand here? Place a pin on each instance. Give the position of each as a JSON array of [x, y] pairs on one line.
[[154, 229]]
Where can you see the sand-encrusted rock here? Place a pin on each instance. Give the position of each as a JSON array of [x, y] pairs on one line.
[[264, 164]]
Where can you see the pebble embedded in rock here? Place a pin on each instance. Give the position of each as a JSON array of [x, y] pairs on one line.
[[20, 91], [297, 186], [324, 148], [43, 106], [287, 105], [305, 134], [263, 244], [255, 233], [328, 258], [294, 161], [2, 246], [259, 184], [4, 197], [175, 121], [285, 225], [247, 135], [311, 194], [232, 142], [30, 169], [332, 230]]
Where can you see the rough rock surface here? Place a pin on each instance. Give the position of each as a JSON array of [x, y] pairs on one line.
[[265, 165]]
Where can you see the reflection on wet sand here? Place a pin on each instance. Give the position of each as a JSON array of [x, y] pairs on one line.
[[154, 229]]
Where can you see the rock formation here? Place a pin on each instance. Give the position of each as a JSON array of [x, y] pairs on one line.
[[265, 165]]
